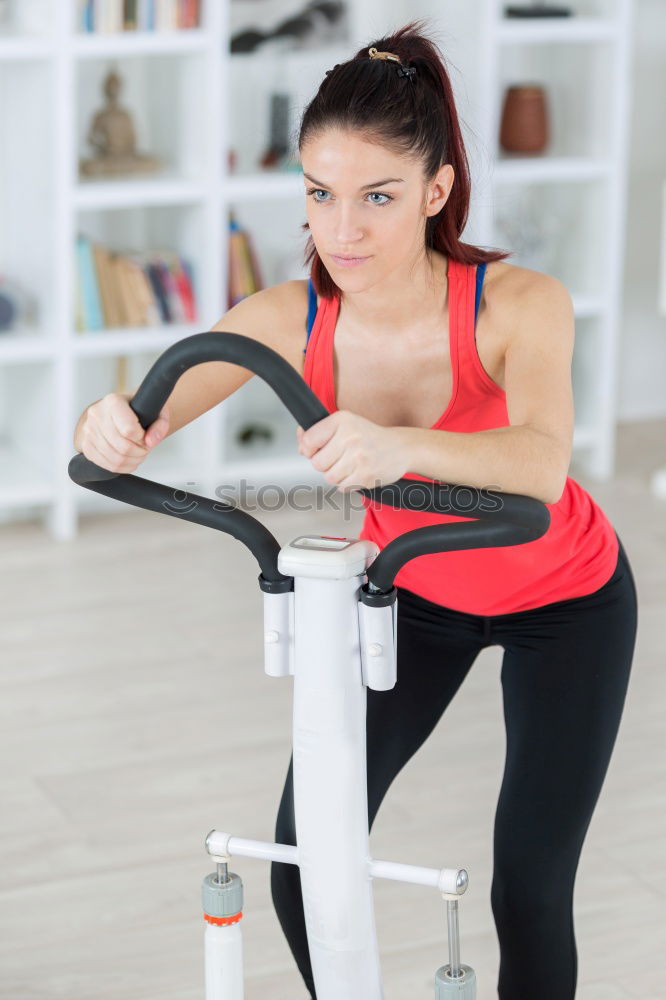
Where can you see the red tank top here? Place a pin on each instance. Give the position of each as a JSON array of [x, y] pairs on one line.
[[576, 556]]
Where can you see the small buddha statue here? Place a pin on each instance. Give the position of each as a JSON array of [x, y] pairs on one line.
[[112, 137]]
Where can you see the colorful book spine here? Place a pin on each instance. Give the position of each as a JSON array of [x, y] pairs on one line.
[[185, 291], [92, 307], [130, 15], [159, 291], [109, 16], [176, 309], [244, 274], [191, 292], [131, 290], [254, 264], [249, 285]]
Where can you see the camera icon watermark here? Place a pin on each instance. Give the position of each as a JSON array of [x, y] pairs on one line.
[[181, 502]]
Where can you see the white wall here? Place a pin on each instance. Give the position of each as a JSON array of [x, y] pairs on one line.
[[642, 387]]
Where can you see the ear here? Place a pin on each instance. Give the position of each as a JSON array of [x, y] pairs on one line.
[[439, 189]]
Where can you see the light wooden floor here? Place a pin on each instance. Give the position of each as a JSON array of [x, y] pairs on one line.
[[136, 717]]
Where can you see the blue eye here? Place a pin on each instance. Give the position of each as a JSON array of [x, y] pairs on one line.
[[319, 201], [381, 195]]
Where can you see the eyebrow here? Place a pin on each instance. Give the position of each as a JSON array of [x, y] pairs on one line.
[[387, 180]]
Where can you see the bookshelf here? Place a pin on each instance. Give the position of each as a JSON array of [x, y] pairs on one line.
[[176, 83]]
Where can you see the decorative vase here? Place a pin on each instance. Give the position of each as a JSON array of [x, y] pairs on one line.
[[525, 125]]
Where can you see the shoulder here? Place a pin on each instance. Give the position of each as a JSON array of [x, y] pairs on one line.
[[519, 299], [300, 293], [508, 286], [274, 316], [291, 298], [286, 303]]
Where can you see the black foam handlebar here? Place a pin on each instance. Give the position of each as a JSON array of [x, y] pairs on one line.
[[508, 519]]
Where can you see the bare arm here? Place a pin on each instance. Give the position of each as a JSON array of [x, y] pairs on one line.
[[264, 316], [529, 457], [267, 316], [532, 455]]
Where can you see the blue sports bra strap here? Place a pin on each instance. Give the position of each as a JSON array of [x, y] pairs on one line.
[[480, 271], [312, 306]]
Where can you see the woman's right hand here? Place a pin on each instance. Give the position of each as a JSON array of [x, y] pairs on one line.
[[110, 435]]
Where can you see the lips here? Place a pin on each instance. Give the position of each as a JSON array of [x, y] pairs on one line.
[[348, 261]]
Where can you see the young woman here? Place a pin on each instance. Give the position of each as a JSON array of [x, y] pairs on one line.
[[438, 360]]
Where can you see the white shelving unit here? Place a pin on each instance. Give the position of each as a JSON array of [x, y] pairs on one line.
[[192, 101], [585, 63], [578, 184], [175, 86]]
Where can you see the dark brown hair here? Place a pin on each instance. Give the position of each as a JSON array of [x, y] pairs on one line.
[[416, 117]]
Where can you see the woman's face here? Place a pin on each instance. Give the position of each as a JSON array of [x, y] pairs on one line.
[[351, 214]]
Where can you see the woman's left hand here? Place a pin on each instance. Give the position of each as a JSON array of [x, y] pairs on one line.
[[353, 452]]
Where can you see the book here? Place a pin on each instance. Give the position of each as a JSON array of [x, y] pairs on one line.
[[131, 289], [133, 307], [176, 309], [186, 292], [92, 306], [123, 293], [116, 312], [130, 15], [102, 274], [147, 307], [235, 289], [110, 16], [159, 292]]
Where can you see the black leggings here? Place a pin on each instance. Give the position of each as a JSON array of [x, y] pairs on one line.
[[564, 677]]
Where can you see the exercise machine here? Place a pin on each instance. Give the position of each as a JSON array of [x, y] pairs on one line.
[[330, 621]]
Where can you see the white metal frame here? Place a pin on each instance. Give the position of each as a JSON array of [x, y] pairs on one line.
[[335, 647]]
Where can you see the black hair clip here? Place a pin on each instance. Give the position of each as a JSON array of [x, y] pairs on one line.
[[329, 71], [409, 71]]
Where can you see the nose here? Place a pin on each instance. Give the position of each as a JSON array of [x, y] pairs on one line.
[[347, 231]]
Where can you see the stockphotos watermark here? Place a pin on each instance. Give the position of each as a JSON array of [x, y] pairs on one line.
[[304, 497]]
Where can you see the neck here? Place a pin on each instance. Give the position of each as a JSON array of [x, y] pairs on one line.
[[396, 305]]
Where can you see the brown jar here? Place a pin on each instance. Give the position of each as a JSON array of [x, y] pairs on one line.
[[525, 124]]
